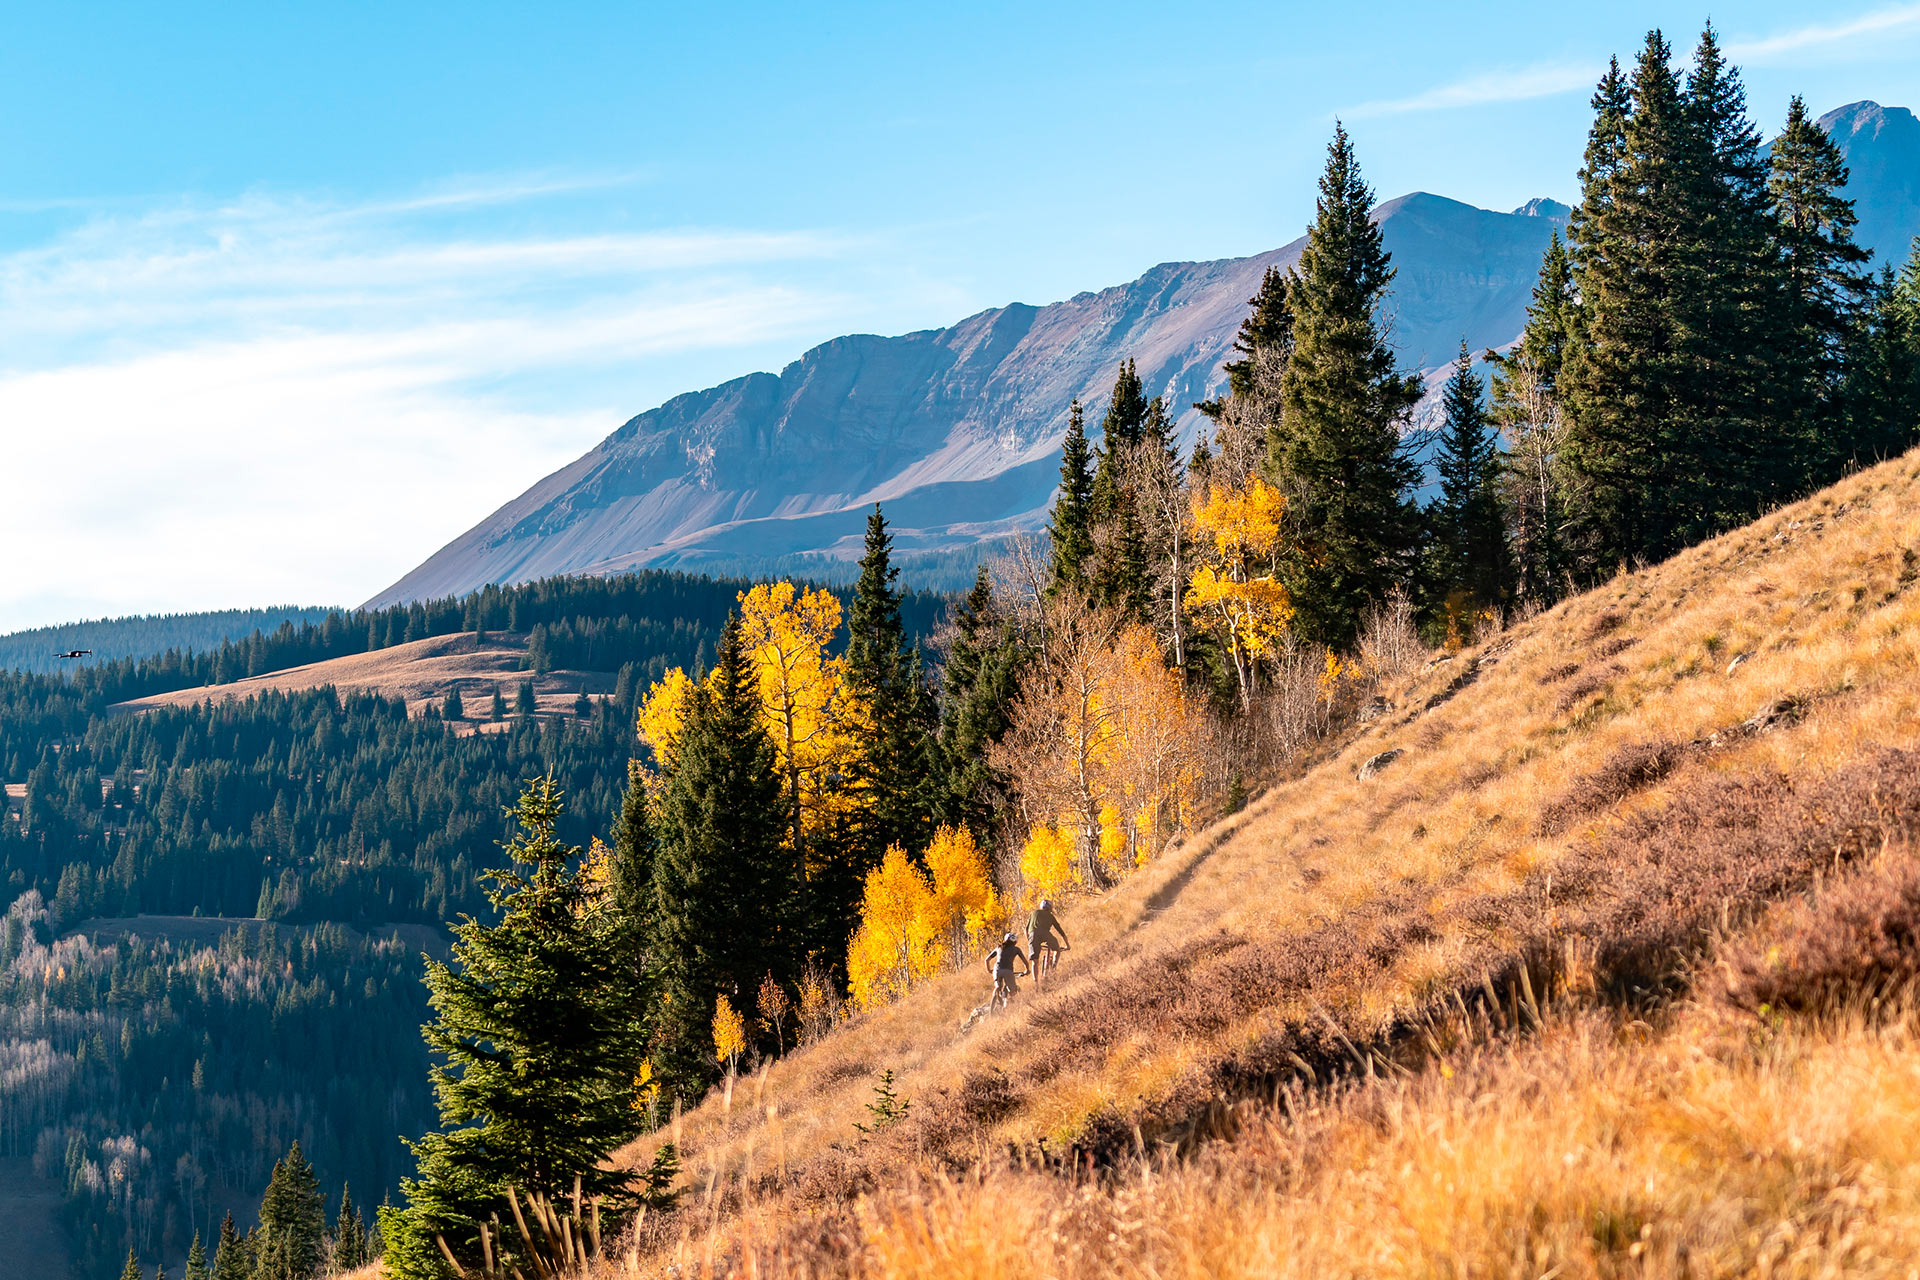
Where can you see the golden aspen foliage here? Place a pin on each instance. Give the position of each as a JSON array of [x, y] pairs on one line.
[[964, 905], [897, 943], [1108, 728], [596, 873], [1047, 863], [646, 1090], [1236, 530], [664, 712], [806, 703], [729, 1033]]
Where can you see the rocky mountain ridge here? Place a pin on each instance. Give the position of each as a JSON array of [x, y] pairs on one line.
[[956, 430]]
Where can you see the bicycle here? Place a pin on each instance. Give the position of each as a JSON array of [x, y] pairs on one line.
[[1046, 958], [1005, 987]]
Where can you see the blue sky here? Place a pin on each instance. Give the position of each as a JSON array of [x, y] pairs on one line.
[[292, 294]]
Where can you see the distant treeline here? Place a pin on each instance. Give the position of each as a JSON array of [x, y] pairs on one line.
[[653, 620], [37, 650]]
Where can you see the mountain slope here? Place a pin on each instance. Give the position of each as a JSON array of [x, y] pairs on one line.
[[1428, 1015], [1882, 145], [955, 430]]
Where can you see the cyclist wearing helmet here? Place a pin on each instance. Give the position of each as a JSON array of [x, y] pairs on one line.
[[1000, 962], [1046, 939]]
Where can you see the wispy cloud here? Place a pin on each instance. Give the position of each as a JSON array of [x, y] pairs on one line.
[[1547, 80], [274, 398], [1879, 23], [1493, 86]]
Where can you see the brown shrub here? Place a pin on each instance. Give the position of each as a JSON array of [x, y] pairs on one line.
[[1627, 770], [1619, 644], [1605, 623], [1587, 685], [1852, 940], [1560, 673]]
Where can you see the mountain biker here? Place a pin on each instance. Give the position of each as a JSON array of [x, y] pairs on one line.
[[1046, 939], [1000, 962]]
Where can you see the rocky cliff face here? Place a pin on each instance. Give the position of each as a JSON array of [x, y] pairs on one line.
[[957, 430]]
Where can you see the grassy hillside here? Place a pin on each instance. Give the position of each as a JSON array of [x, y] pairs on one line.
[[1610, 971], [420, 673]]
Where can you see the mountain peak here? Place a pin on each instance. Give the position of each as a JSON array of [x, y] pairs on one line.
[[1542, 207]]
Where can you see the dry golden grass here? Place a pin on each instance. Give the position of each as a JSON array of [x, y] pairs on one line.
[[1588, 844], [421, 672]]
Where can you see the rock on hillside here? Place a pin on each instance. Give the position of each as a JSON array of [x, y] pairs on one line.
[[956, 430]]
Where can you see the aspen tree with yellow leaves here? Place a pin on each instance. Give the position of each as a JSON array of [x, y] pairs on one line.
[[915, 923], [1236, 531], [897, 943]]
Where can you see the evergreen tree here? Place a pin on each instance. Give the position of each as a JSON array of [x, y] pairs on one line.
[[725, 888], [1119, 570], [895, 770], [539, 657], [132, 1270], [351, 1247], [1267, 330], [1070, 529], [1527, 407], [1621, 382], [453, 708], [631, 893], [197, 1268], [1880, 396], [232, 1259], [524, 704], [1470, 566], [289, 1243], [537, 1040], [498, 712], [980, 681], [1735, 330], [1825, 285], [1336, 452]]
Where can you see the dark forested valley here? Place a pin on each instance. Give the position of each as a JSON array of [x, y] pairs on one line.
[[213, 947]]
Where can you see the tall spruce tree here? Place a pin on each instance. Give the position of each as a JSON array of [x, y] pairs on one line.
[[980, 679], [290, 1244], [1336, 453], [1622, 377], [1119, 573], [197, 1268], [1070, 529], [1470, 567], [634, 853], [132, 1271], [1880, 394], [232, 1258], [1736, 333], [1267, 330], [1527, 407], [725, 885], [537, 1039], [895, 770], [1826, 284], [351, 1245]]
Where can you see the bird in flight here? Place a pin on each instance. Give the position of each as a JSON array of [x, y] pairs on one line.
[[75, 653]]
